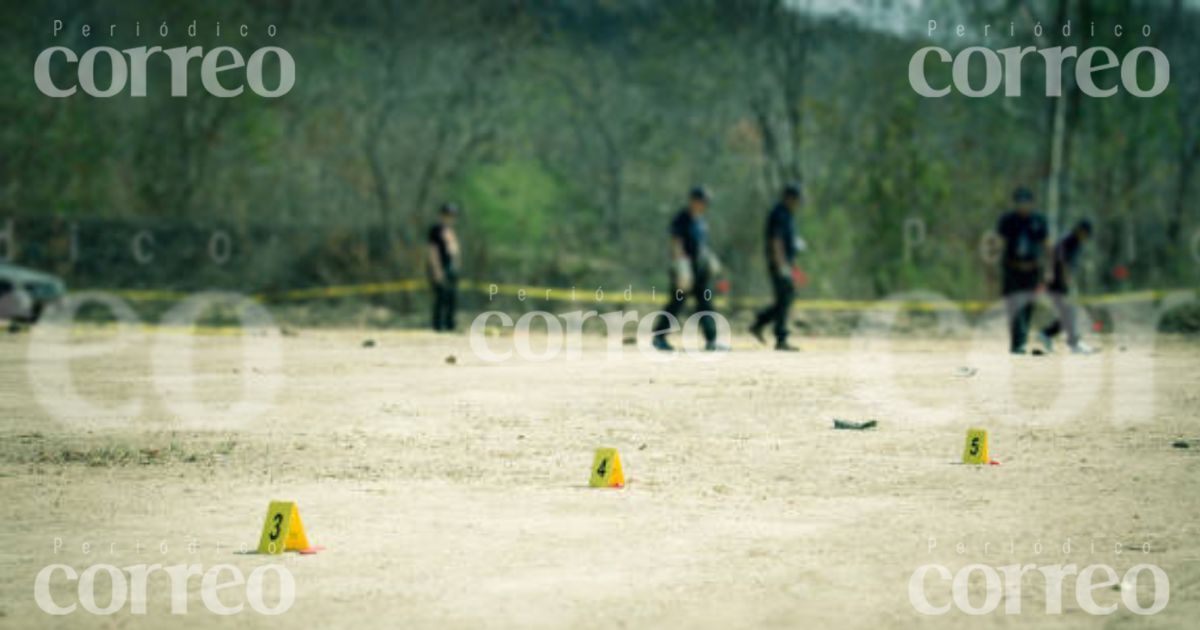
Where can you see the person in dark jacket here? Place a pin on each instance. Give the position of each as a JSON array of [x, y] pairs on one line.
[[443, 257], [693, 266], [781, 258], [1063, 266], [1024, 233]]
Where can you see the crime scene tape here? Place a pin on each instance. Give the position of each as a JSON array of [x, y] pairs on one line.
[[573, 294]]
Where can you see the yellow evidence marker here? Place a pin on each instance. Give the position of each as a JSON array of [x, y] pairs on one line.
[[283, 531], [976, 450], [606, 469]]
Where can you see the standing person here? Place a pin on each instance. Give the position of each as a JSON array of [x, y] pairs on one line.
[[1024, 233], [1066, 258], [781, 258], [443, 259], [693, 266]]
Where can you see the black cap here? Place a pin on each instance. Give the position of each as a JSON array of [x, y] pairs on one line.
[[700, 193], [1022, 195], [792, 189], [449, 208]]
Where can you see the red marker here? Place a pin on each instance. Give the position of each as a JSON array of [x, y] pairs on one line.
[[799, 277]]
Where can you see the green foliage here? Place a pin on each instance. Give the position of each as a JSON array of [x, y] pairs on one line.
[[570, 133], [512, 204]]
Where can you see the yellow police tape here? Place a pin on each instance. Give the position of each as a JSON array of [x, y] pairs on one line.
[[560, 294]]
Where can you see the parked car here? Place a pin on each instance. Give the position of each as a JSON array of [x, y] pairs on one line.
[[25, 293]]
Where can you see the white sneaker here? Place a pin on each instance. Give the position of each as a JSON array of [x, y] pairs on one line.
[[1046, 340], [1082, 348]]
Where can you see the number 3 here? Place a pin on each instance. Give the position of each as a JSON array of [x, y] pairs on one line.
[[278, 518]]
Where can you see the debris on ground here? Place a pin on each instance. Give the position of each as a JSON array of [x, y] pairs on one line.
[[368, 343], [451, 360], [966, 371], [1181, 444], [853, 425]]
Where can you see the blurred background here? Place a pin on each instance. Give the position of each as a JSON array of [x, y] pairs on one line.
[[569, 132]]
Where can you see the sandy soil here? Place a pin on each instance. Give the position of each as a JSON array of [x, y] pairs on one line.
[[455, 495]]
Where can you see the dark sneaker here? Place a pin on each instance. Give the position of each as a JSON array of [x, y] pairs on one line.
[[757, 331], [713, 347], [661, 344], [784, 346]]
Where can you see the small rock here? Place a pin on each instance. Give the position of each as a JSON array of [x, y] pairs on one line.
[[369, 343], [642, 447], [1181, 444], [451, 360]]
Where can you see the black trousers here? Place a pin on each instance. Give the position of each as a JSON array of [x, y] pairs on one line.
[[445, 298], [784, 291], [701, 291], [1019, 288], [1066, 316]]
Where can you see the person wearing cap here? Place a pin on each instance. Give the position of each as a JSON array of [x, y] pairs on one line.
[[1066, 258], [443, 257], [781, 257], [1024, 233], [693, 266]]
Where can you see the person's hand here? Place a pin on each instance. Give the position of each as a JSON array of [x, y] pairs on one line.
[[714, 264], [683, 274]]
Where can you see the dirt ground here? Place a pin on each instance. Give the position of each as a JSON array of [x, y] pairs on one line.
[[454, 494]]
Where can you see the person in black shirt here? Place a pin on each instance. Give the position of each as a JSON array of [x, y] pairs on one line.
[[781, 256], [443, 267], [1024, 233], [1066, 258], [692, 269]]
